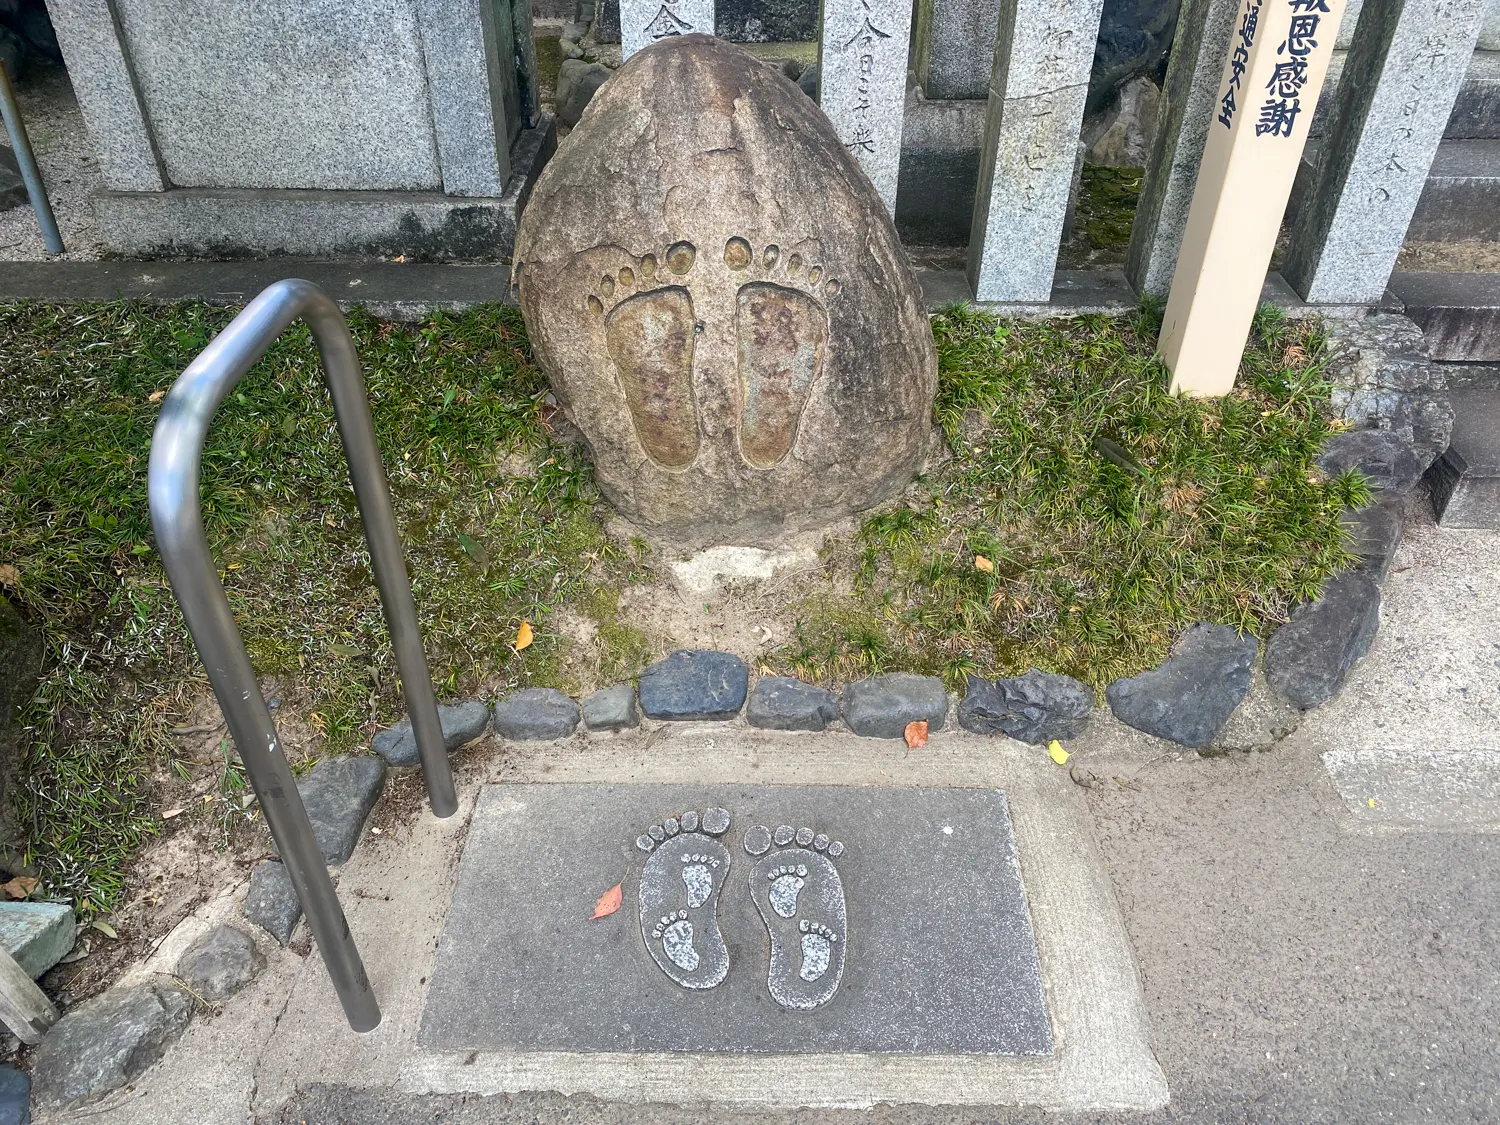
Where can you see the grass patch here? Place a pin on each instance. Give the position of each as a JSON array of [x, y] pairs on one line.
[[498, 519], [1088, 515]]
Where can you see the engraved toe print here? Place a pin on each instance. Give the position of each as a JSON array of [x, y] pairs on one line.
[[782, 330], [679, 896], [801, 899], [649, 335]]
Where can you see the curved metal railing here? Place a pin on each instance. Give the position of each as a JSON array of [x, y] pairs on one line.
[[176, 452]]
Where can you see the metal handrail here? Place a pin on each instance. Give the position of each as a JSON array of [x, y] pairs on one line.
[[176, 452]]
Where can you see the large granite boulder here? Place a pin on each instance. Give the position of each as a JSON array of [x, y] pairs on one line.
[[720, 301]]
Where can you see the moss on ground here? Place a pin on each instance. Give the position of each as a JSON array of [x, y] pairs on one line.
[[499, 520], [1087, 515]]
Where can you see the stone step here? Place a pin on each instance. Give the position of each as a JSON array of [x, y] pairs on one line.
[[1465, 481], [1476, 110], [1462, 198], [1459, 313]]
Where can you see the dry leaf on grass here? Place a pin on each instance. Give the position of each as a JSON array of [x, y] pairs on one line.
[[20, 887], [984, 564], [156, 396], [523, 636], [916, 733], [10, 576], [608, 902]]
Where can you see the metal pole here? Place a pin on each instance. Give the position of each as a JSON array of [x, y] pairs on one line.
[[26, 161], [176, 452]]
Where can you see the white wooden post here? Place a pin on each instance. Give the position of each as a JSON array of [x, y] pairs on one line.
[[643, 22], [1043, 53], [1273, 73], [862, 60]]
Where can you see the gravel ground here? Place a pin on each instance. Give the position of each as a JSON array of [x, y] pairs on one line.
[[69, 168]]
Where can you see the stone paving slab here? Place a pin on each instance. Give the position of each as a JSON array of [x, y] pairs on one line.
[[1396, 788], [940, 953]]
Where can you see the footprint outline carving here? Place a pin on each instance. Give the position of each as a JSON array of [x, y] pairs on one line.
[[800, 896], [679, 889]]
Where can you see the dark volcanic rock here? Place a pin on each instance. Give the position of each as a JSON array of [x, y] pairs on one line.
[[612, 708], [462, 723], [1388, 388], [881, 706], [783, 703], [272, 900], [766, 21], [339, 793], [1191, 694], [1309, 657], [105, 1042], [1375, 533], [719, 299], [693, 684], [536, 714], [219, 963], [1036, 707]]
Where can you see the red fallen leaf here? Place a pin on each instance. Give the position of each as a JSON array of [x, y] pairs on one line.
[[916, 733], [608, 903]]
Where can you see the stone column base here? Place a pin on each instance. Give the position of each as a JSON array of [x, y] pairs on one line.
[[225, 223]]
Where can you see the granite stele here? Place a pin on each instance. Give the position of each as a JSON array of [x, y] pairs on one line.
[[721, 303], [754, 919]]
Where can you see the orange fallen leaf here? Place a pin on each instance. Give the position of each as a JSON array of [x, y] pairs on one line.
[[20, 887], [984, 564], [608, 902], [916, 733], [523, 636]]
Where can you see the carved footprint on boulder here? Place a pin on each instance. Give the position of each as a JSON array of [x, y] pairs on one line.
[[679, 897], [782, 330], [801, 898], [649, 335]]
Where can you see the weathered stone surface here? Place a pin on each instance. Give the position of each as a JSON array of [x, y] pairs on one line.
[[220, 963], [339, 793], [731, 322], [536, 714], [1189, 697], [1135, 37], [1375, 533], [611, 708], [881, 706], [784, 703], [1036, 707], [105, 1042], [1393, 394], [1128, 129], [462, 723], [1309, 657], [694, 684], [955, 47], [37, 934], [15, 1096], [577, 83], [272, 900], [766, 21], [1465, 481]]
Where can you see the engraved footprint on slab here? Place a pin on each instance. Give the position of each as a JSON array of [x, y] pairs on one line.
[[649, 331], [801, 898], [782, 329], [679, 896]]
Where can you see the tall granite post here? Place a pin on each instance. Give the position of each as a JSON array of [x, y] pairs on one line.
[[1043, 53], [862, 61], [1191, 98], [643, 22], [1405, 66], [955, 47]]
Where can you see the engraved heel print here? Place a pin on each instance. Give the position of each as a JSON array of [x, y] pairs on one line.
[[800, 896], [649, 335], [679, 897], [782, 331]]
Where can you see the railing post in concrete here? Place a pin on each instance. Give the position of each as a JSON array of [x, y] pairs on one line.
[[862, 59], [1044, 51], [1405, 66], [1190, 99]]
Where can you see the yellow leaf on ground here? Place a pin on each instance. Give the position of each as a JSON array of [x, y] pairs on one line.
[[523, 636], [608, 902], [984, 564], [1056, 752], [916, 734]]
